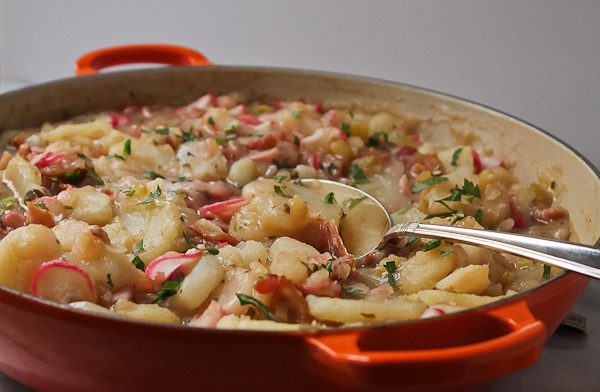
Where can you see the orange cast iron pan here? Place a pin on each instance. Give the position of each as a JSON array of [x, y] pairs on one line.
[[53, 348]]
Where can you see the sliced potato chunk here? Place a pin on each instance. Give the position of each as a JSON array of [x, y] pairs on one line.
[[353, 310], [23, 251], [472, 279]]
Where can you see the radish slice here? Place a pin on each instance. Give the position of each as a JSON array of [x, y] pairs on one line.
[[47, 159], [164, 267], [62, 282], [249, 119], [223, 208]]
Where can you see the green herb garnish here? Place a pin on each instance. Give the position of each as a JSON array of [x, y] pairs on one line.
[[434, 243], [138, 247], [411, 240], [427, 183], [178, 179], [138, 263], [345, 127], [41, 206], [188, 241], [447, 252], [249, 300], [374, 139], [116, 156], [390, 267], [479, 216], [279, 179], [109, 280], [210, 121], [128, 192], [168, 289], [187, 136], [351, 291], [162, 131], [153, 175], [455, 156], [232, 126], [127, 148], [330, 198], [357, 175], [546, 274], [351, 203], [223, 140], [153, 196], [296, 140], [296, 113], [212, 251], [280, 192]]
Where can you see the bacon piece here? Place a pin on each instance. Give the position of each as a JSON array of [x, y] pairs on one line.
[[207, 233], [39, 215], [547, 215], [287, 303], [323, 235]]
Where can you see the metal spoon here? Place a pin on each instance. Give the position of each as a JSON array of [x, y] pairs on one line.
[[370, 223]]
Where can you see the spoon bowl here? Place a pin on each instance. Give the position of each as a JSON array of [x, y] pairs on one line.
[[367, 227]]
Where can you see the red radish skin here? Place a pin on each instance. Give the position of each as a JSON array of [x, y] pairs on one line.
[[62, 282], [223, 208], [164, 267], [47, 159]]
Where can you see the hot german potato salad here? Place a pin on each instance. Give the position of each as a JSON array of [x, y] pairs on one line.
[[197, 215]]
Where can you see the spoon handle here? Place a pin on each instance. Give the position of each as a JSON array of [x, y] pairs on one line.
[[575, 257]]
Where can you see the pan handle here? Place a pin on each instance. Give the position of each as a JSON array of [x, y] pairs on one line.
[[476, 348], [94, 61]]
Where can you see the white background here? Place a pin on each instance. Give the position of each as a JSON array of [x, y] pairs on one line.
[[537, 60]]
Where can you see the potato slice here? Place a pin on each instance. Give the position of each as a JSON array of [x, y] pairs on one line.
[[352, 310], [472, 279], [197, 286], [23, 251], [434, 297], [425, 269], [148, 312]]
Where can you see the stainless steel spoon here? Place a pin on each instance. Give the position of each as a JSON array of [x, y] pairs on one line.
[[371, 226]]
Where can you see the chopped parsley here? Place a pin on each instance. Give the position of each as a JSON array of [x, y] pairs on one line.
[[223, 140], [116, 156], [138, 263], [447, 252], [330, 198], [479, 216], [280, 192], [351, 291], [249, 300], [296, 113], [212, 251], [279, 179], [187, 136], [351, 203], [455, 156], [162, 131], [357, 175], [435, 179], [109, 280], [168, 289], [411, 240], [296, 140], [434, 243], [374, 139], [138, 247], [41, 206], [127, 191], [210, 121], [153, 175], [345, 127], [127, 148], [188, 241], [178, 179], [329, 265], [390, 267], [153, 196], [546, 274], [7, 202], [232, 126]]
